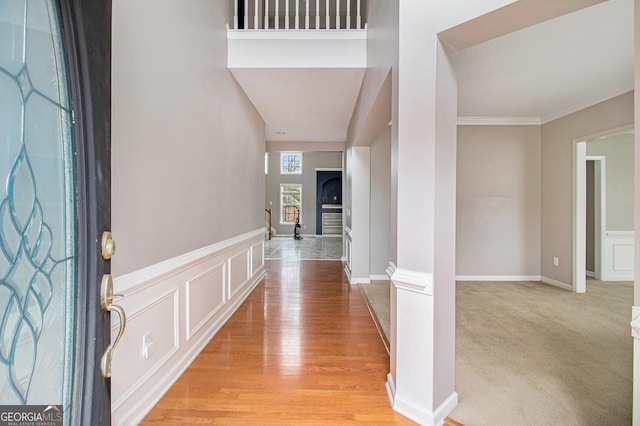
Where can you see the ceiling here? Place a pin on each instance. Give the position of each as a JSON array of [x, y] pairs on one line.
[[530, 76], [551, 69], [303, 104]]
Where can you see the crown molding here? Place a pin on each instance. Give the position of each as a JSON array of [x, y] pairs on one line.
[[537, 121], [499, 121], [621, 90]]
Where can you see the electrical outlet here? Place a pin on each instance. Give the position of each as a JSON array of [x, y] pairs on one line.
[[556, 261], [148, 346]]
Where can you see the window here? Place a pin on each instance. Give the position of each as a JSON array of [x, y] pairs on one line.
[[266, 163], [290, 202], [291, 163]]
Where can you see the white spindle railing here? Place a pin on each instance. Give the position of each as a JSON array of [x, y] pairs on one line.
[[269, 14], [327, 21]]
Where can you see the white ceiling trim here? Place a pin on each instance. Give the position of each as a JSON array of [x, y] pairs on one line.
[[536, 121], [297, 34], [587, 103], [499, 121]]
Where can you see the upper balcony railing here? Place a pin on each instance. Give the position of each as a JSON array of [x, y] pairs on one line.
[[297, 15]]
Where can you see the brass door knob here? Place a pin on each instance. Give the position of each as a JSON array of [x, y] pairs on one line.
[[108, 245]]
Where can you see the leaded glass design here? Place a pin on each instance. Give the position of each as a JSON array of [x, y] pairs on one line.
[[37, 225]]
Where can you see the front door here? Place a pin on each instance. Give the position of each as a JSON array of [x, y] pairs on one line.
[[54, 205]]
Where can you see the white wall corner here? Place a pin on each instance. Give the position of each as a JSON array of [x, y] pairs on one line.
[[418, 282], [378, 277]]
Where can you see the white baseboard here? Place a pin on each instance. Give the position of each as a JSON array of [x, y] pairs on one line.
[[379, 277], [591, 274], [348, 272], [419, 414], [182, 303], [498, 277], [556, 283], [355, 280]]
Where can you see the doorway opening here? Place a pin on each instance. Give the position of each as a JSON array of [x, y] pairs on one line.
[[603, 244]]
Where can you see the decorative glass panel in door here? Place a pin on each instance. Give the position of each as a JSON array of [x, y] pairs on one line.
[[37, 202]]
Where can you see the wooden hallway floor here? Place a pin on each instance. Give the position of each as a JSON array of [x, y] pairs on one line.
[[301, 350]]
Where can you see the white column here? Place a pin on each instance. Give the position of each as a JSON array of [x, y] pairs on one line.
[[359, 167], [421, 381]]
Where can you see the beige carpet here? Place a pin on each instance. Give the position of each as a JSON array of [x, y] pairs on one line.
[[531, 354], [378, 294]]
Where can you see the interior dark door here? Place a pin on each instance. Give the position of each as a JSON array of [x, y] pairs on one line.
[[54, 205], [328, 196]]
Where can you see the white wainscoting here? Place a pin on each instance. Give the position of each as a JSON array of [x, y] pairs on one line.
[[176, 306], [348, 242], [618, 256]]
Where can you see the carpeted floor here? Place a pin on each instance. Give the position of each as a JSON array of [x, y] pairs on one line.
[[377, 292], [531, 354]]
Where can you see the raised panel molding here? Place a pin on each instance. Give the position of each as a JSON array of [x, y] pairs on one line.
[[238, 272], [204, 298], [160, 318], [618, 256], [257, 257], [154, 298]]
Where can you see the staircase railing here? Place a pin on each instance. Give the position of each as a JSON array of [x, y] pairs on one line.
[[269, 230], [297, 14]]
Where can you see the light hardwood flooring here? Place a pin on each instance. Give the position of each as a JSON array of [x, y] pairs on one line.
[[301, 350]]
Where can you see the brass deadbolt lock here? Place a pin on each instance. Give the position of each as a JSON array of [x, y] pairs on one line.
[[108, 245]]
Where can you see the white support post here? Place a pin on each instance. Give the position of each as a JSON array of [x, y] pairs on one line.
[[337, 14], [246, 14], [306, 18], [317, 14], [276, 18], [266, 14], [358, 18], [348, 14], [327, 23], [297, 14], [286, 15], [256, 18]]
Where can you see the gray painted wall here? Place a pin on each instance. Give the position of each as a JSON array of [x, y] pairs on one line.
[[618, 150], [498, 200], [558, 144], [310, 161], [187, 145], [380, 203]]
